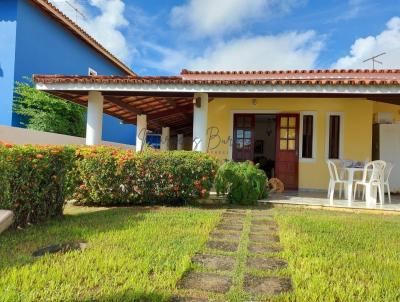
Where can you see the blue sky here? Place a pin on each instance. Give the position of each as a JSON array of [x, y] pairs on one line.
[[160, 37]]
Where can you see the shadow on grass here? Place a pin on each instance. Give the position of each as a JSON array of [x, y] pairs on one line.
[[128, 296], [17, 246], [223, 206]]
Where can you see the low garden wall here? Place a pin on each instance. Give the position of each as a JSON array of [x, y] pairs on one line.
[[23, 136]]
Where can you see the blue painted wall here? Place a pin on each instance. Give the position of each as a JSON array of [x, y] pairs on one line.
[[8, 25], [43, 46], [154, 140]]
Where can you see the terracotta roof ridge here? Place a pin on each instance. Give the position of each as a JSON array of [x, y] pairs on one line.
[[195, 81], [293, 71], [59, 15], [94, 77]]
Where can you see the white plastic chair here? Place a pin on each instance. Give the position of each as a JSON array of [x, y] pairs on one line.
[[386, 185], [334, 180], [373, 175], [343, 164]]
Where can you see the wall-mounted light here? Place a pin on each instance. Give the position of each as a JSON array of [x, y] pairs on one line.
[[254, 102]]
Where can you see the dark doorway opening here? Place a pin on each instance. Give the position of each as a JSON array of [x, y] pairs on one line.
[[265, 142], [270, 140]]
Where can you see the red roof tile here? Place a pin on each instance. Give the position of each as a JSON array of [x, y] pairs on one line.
[[328, 74], [294, 77]]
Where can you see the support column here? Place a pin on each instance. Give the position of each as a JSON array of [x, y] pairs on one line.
[[179, 143], [165, 139], [200, 115], [94, 121], [141, 132]]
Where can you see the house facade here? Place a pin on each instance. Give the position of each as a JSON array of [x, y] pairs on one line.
[[290, 122], [35, 37], [292, 137], [313, 129]]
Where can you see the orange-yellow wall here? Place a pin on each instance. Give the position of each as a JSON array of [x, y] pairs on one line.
[[383, 107], [357, 123]]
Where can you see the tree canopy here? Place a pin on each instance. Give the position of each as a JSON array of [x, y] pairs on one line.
[[45, 112]]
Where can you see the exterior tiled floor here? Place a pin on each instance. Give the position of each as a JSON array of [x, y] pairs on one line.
[[319, 199]]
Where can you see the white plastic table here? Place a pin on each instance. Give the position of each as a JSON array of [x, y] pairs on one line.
[[371, 198], [350, 182]]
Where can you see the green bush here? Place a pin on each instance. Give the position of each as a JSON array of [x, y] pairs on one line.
[[110, 176], [45, 112], [5, 176], [34, 181], [244, 182]]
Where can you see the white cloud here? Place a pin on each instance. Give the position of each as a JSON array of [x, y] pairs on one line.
[[172, 61], [291, 50], [387, 41], [216, 17], [354, 8], [105, 27]]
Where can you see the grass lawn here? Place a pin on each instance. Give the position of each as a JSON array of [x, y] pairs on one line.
[[133, 254], [336, 256], [141, 253]]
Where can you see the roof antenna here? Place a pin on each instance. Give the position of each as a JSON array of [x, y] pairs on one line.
[[374, 60], [77, 11]]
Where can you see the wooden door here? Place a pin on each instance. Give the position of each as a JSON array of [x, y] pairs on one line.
[[287, 150], [243, 137]]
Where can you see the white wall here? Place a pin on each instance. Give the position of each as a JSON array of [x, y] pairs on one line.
[[16, 135]]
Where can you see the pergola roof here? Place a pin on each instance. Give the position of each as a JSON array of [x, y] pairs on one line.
[[161, 111], [168, 101]]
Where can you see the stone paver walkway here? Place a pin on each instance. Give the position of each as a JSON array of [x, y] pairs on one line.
[[240, 258]]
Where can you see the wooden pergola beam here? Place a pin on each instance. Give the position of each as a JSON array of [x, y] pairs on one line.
[[124, 105], [170, 102], [178, 110], [144, 100], [126, 108]]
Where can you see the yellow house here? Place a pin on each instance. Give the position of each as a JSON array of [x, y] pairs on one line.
[[290, 122]]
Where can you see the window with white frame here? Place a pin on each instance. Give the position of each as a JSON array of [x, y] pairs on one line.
[[308, 135], [92, 72], [334, 135]]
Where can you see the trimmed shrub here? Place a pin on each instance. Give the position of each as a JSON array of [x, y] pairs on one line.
[[244, 183], [34, 182], [5, 172], [110, 176]]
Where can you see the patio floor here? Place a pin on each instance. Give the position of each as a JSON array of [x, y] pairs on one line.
[[319, 199]]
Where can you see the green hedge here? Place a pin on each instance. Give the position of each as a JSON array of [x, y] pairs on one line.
[[34, 181], [109, 176], [244, 183]]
